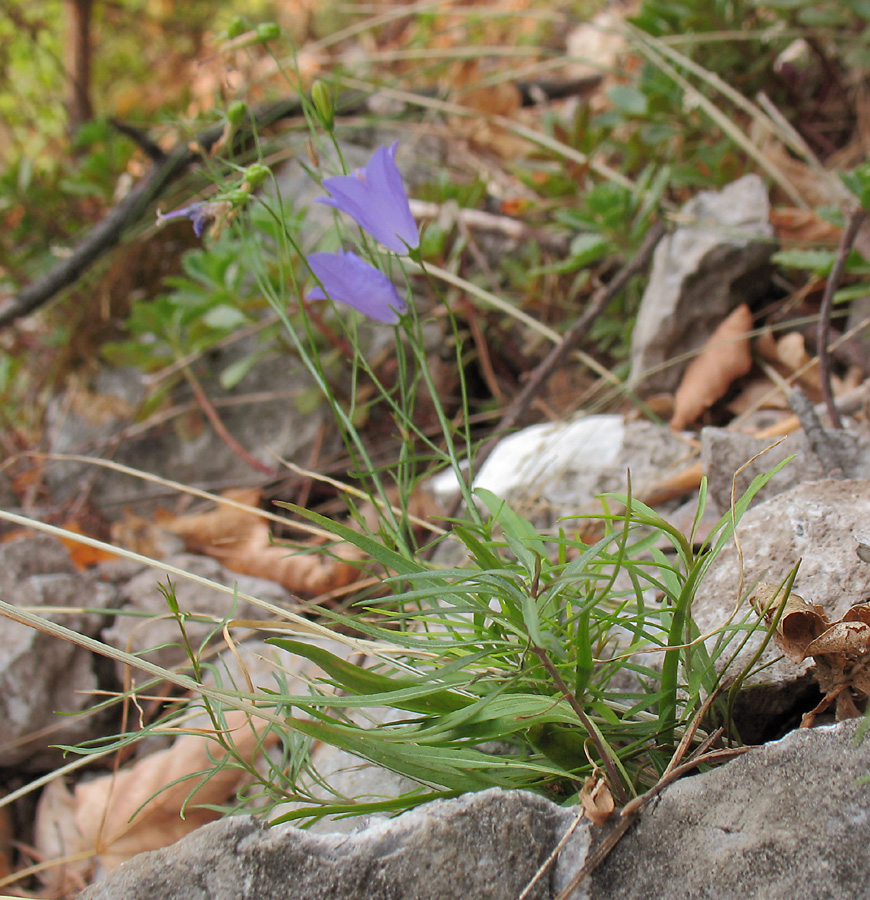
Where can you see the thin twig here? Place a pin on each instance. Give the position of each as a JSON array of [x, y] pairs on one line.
[[602, 297], [820, 440], [554, 855], [109, 232], [220, 429], [631, 812], [850, 232]]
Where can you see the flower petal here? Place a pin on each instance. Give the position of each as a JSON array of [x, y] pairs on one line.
[[201, 214], [375, 199], [348, 279]]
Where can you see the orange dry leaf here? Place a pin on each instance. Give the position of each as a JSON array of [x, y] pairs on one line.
[[241, 540], [803, 226], [114, 817], [724, 358], [140, 808], [82, 555]]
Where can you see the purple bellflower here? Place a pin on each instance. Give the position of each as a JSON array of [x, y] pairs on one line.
[[375, 198], [201, 215], [348, 279]]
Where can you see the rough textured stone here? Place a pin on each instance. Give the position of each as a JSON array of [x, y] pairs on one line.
[[700, 274], [485, 846], [41, 676], [786, 820], [723, 452], [188, 451], [554, 470], [814, 523]]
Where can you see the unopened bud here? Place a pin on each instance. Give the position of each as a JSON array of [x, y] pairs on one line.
[[268, 31], [256, 174], [321, 96], [236, 27], [236, 113]]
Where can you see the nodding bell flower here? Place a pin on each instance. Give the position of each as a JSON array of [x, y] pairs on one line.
[[375, 198], [201, 214], [348, 279]]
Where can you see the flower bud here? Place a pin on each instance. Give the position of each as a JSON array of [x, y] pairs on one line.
[[256, 174], [321, 95], [268, 31], [236, 27], [236, 113]]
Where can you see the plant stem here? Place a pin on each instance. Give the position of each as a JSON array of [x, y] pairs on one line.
[[603, 750], [850, 232]]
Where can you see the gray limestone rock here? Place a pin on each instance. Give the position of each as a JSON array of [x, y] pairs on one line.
[[485, 846], [814, 523], [557, 469], [700, 273], [259, 412], [786, 820], [723, 452], [41, 676]]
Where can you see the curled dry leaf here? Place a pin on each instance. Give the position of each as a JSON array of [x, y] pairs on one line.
[[799, 624], [596, 800], [242, 541], [59, 842], [840, 650], [724, 358], [803, 226]]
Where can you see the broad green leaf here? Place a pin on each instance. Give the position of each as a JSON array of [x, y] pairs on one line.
[[358, 680]]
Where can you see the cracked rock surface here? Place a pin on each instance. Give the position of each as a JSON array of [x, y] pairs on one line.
[[785, 820]]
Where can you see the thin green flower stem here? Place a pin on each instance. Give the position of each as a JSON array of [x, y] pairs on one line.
[[312, 362], [670, 666], [603, 749]]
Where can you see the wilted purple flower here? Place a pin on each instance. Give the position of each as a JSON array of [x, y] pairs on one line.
[[348, 279], [201, 214], [375, 198]]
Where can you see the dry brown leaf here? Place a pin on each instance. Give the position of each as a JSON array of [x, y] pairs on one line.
[[242, 541], [803, 226], [799, 624], [500, 99], [724, 358], [841, 651], [58, 840], [140, 807], [758, 393], [596, 800], [143, 536]]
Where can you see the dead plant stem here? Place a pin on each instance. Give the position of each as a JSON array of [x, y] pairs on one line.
[[850, 232]]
